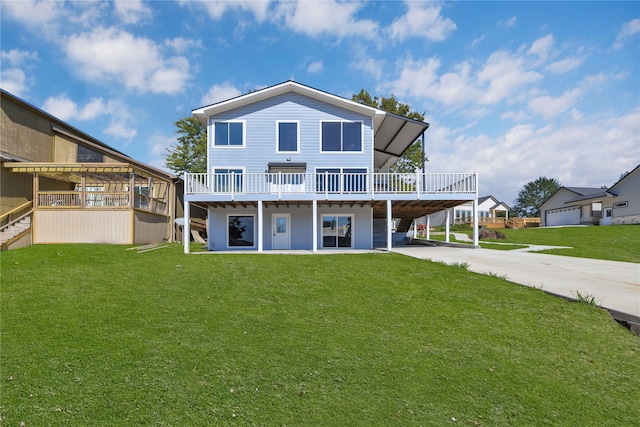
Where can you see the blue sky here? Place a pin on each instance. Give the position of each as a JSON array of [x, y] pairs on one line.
[[512, 90]]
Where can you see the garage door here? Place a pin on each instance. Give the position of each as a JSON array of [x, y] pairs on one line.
[[564, 216]]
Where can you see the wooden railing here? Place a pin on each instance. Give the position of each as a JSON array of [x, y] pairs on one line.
[[92, 199], [15, 213], [99, 199], [522, 222], [330, 183]]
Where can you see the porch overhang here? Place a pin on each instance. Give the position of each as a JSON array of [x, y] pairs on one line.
[[394, 134]]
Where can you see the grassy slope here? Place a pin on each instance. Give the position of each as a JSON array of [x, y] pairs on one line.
[[616, 243], [96, 335]]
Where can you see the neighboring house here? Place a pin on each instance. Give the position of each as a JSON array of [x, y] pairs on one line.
[[293, 167], [623, 206], [571, 206], [490, 212], [60, 185], [620, 204]]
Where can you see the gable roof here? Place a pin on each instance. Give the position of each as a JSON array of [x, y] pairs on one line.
[[627, 176], [393, 133], [60, 127]]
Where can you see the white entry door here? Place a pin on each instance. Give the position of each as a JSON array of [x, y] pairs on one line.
[[607, 217], [281, 227]]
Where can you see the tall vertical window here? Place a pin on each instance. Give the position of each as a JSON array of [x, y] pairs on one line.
[[287, 137], [341, 136], [230, 134]]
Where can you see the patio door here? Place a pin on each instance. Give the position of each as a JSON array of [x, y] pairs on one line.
[[281, 226], [336, 231]]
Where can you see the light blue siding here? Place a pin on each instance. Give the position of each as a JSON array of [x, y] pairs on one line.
[[260, 146], [301, 226]]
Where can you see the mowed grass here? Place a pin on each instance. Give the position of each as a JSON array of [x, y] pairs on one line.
[[97, 335], [615, 243]]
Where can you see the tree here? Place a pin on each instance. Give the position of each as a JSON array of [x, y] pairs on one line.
[[411, 159], [190, 153], [533, 195]]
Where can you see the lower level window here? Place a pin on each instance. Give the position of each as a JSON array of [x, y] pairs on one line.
[[336, 231], [241, 230]]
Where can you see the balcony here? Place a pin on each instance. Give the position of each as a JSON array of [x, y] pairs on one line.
[[329, 186]]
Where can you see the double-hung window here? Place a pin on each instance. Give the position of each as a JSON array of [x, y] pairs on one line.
[[341, 136], [228, 134], [287, 137]]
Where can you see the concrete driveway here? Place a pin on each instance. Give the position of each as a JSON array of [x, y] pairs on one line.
[[615, 285]]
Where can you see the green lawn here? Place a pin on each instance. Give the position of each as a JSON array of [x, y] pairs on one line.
[[616, 243], [97, 335]]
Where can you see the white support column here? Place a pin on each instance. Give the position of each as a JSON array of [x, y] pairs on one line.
[[186, 229], [314, 221], [475, 215], [260, 226], [389, 222], [446, 225], [428, 235], [475, 221]]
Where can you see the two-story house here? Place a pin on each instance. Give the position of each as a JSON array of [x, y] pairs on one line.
[[293, 167]]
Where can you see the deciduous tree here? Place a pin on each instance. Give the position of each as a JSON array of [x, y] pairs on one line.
[[190, 152], [411, 160], [533, 195]]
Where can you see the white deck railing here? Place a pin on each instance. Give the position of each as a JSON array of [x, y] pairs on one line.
[[330, 183]]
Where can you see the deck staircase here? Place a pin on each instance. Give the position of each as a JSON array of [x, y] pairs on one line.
[[15, 228]]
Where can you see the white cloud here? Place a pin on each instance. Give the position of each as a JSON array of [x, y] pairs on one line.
[[112, 54], [114, 113], [132, 11], [421, 20], [61, 107], [182, 45], [582, 151], [315, 67], [629, 29], [18, 57], [477, 41], [222, 92], [41, 16], [217, 8], [549, 107], [504, 74], [13, 81], [564, 65], [542, 47], [12, 78], [325, 17], [509, 22], [369, 65], [414, 78]]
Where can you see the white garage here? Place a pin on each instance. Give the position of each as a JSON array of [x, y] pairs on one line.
[[564, 216]]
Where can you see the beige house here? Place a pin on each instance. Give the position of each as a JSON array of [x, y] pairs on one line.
[[60, 185]]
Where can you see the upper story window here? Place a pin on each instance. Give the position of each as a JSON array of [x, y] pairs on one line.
[[287, 135], [88, 155], [341, 136], [228, 134]]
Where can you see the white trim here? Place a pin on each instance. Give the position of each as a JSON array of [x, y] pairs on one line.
[[211, 134], [254, 230], [361, 151], [297, 122]]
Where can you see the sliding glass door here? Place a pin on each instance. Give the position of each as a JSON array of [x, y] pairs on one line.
[[336, 231]]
